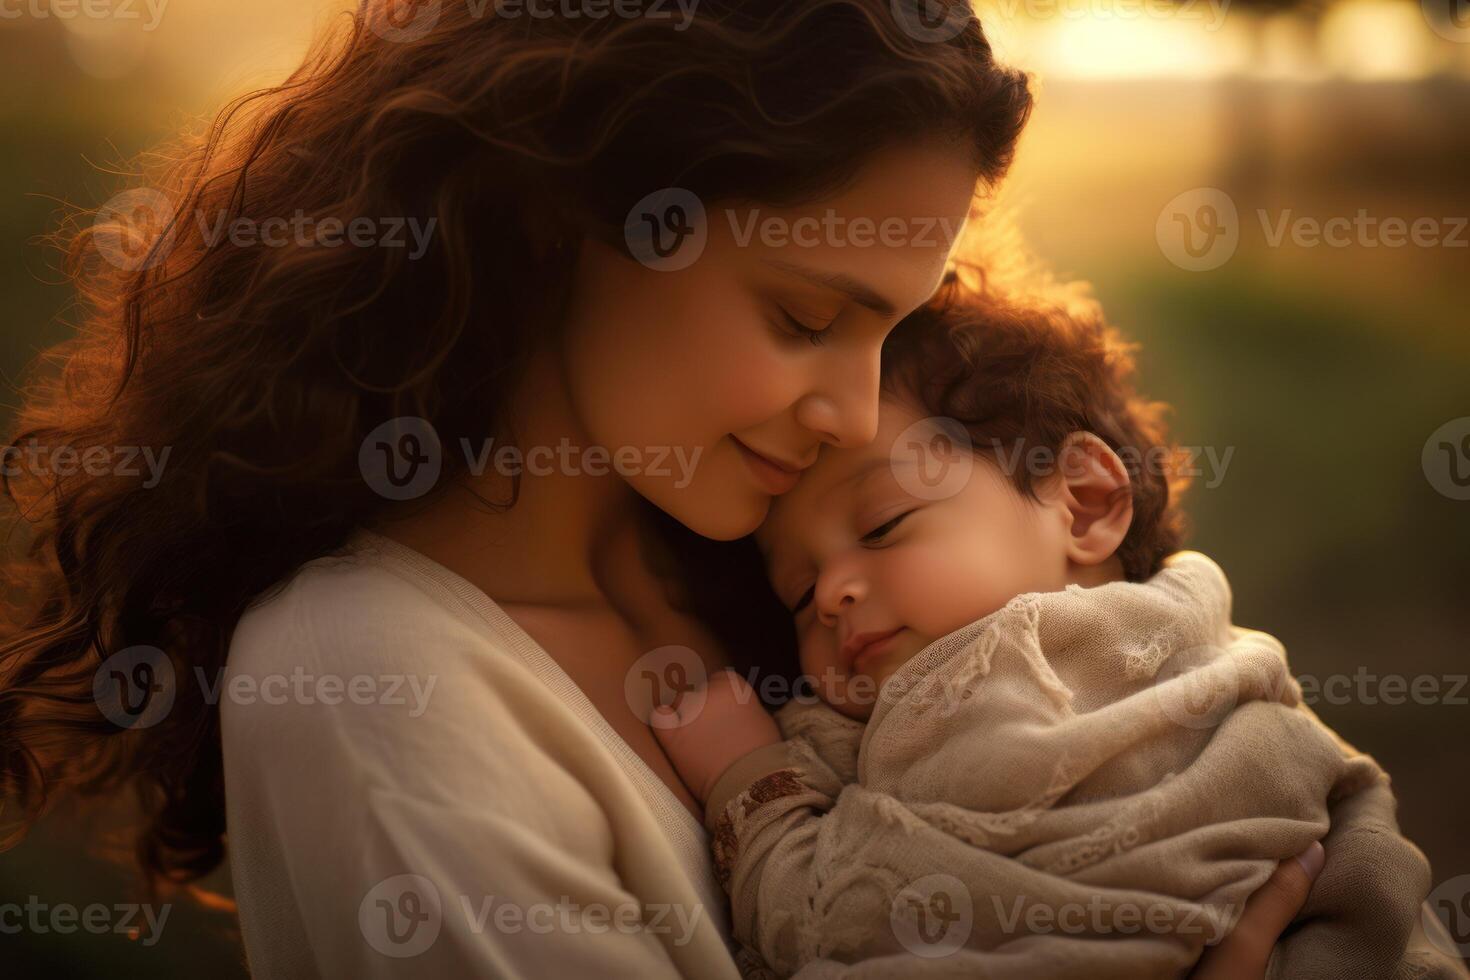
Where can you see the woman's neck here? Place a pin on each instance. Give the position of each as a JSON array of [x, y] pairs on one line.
[[570, 538]]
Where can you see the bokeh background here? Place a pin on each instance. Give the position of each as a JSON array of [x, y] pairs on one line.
[[1326, 372]]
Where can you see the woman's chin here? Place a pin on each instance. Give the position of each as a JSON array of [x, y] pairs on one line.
[[721, 512]]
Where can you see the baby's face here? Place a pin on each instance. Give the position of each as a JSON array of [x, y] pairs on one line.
[[874, 570]]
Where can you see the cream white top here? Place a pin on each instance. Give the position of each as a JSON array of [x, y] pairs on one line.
[[415, 788]]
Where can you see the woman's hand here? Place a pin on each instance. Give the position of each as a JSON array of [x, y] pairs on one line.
[[703, 736], [1243, 954]]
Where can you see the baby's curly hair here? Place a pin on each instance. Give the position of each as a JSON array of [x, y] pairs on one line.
[[1024, 373]]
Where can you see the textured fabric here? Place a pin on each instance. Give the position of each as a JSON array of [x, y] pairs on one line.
[[503, 787], [1087, 783]]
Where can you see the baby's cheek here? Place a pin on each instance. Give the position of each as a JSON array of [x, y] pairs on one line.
[[833, 684], [939, 588], [814, 654]]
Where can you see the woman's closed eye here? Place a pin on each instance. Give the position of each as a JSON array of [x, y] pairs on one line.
[[799, 329]]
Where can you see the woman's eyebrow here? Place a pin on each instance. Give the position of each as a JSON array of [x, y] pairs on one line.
[[854, 290]]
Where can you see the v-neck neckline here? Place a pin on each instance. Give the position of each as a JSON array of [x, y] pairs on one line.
[[450, 585]]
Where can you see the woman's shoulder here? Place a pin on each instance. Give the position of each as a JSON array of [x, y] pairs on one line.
[[353, 607], [352, 667], [350, 642]]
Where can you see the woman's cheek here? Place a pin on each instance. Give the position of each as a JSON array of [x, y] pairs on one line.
[[752, 378], [702, 385]]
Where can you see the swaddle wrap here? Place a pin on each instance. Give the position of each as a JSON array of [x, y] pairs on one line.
[[1086, 783]]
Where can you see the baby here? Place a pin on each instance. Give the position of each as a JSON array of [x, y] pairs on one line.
[[1038, 747]]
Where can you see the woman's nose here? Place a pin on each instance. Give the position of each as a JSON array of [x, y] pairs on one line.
[[844, 409]]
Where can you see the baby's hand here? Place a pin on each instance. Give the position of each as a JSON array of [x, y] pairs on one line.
[[703, 736]]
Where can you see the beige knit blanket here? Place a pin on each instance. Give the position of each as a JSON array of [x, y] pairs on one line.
[[1087, 783]]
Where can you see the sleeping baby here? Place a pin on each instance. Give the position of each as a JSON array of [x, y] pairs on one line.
[[1036, 744]]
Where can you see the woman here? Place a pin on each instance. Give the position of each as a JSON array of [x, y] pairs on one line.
[[648, 235]]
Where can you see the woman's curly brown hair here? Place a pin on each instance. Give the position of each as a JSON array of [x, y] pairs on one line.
[[260, 370], [1021, 373]]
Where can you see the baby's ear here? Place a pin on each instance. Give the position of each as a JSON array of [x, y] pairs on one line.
[[1094, 488]]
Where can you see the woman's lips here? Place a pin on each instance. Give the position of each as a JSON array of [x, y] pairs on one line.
[[773, 478]]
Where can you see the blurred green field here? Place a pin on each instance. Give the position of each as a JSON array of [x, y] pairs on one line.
[[1334, 540]]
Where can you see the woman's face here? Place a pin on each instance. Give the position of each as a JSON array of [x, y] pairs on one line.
[[706, 361]]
